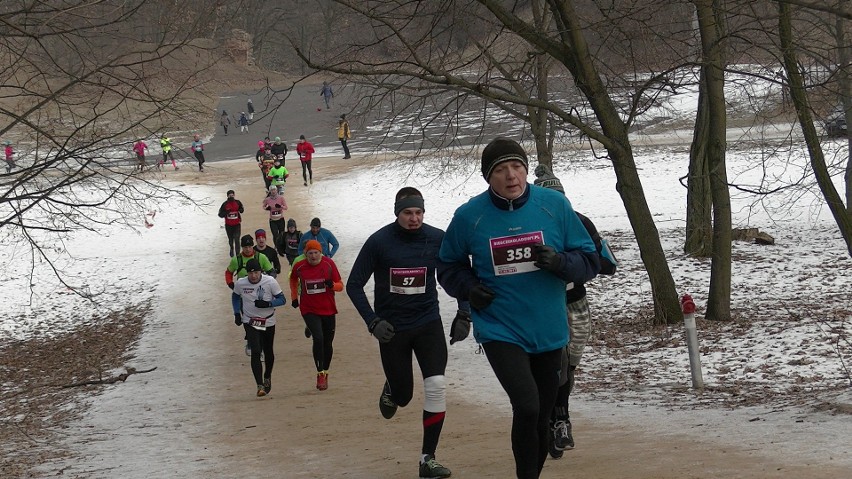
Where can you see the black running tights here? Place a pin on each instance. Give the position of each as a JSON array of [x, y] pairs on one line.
[[261, 341], [531, 381], [322, 331]]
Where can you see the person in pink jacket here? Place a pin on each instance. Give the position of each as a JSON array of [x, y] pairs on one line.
[[10, 156], [305, 150], [276, 205], [139, 147]]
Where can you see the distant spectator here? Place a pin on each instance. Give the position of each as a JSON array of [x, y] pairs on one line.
[[250, 108], [327, 94], [344, 134], [243, 122], [225, 121]]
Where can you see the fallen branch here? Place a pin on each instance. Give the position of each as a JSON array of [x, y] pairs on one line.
[[121, 377]]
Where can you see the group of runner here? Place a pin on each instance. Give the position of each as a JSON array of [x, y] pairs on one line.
[[167, 148], [507, 256]]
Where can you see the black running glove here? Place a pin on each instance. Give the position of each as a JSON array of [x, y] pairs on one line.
[[260, 303], [547, 258], [480, 296], [329, 283], [382, 330], [295, 303], [231, 285], [460, 327], [238, 319]]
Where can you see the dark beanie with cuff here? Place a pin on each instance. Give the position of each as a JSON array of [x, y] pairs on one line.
[[499, 151], [316, 222], [546, 179]]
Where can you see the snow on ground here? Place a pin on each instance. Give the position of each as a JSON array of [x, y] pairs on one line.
[[789, 345]]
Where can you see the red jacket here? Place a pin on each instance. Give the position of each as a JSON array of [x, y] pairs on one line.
[[305, 149], [308, 284]]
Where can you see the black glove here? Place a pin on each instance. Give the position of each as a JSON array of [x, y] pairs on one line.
[[295, 303], [231, 285], [329, 283], [460, 327], [480, 296], [382, 330], [260, 303], [238, 319], [547, 258]]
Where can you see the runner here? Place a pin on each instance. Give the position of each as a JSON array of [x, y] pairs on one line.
[[198, 150], [402, 257], [267, 162], [317, 278], [237, 269], [166, 145], [325, 237], [278, 175], [276, 205], [305, 150], [279, 149], [139, 147], [561, 438], [232, 210], [291, 241], [254, 300], [525, 243], [268, 251]]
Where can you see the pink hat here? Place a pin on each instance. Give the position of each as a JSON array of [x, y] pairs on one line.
[[260, 144]]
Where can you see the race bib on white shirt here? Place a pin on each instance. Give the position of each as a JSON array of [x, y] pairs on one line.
[[258, 323], [515, 254], [408, 280]]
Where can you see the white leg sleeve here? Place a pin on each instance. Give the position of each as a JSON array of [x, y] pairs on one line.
[[435, 394]]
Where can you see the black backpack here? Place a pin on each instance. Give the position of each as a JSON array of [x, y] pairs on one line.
[[608, 262]]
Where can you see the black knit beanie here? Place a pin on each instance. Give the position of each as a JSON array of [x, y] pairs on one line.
[[500, 150]]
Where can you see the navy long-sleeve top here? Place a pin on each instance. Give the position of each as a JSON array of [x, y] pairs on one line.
[[402, 263]]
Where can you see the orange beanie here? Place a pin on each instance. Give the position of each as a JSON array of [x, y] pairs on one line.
[[313, 244]]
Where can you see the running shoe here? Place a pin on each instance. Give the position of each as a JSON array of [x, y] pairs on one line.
[[248, 349], [306, 183], [267, 385], [431, 468], [260, 391], [322, 380], [554, 453], [386, 405], [562, 438]]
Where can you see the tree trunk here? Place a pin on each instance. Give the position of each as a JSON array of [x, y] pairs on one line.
[[579, 61], [843, 80], [803, 112], [699, 225], [712, 32]]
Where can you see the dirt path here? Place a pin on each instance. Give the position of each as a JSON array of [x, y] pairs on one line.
[[197, 415]]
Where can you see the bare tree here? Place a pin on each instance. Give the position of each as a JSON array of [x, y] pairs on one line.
[[799, 96], [412, 47], [80, 81]]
